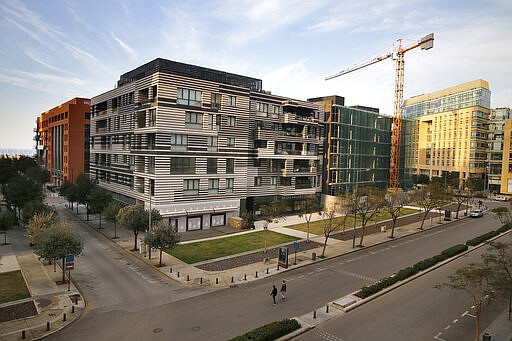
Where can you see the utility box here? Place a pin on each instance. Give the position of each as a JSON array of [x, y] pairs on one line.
[[313, 256], [383, 228]]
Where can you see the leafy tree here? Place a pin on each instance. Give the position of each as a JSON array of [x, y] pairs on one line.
[[58, 241], [7, 220], [98, 200], [24, 163], [110, 212], [162, 236], [84, 186], [310, 205], [7, 170], [393, 204], [503, 214], [69, 191], [428, 198], [38, 223], [38, 175], [30, 208], [19, 190], [499, 259], [366, 202], [475, 279], [330, 223], [248, 219], [136, 219], [272, 212]]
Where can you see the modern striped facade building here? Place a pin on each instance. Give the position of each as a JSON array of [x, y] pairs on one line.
[[202, 145], [62, 137]]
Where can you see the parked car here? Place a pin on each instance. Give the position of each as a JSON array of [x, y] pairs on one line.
[[476, 213], [500, 198]]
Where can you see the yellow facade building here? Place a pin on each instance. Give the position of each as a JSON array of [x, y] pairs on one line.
[[506, 166], [451, 128]]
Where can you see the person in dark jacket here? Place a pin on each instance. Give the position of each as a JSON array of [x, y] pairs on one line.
[[273, 293], [283, 290]]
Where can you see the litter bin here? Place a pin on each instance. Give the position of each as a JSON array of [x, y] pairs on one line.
[[486, 337], [383, 228], [313, 256]]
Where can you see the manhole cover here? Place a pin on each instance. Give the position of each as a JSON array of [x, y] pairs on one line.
[[157, 330], [196, 329]]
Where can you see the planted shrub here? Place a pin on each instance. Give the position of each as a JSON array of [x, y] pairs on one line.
[[454, 250], [480, 239], [269, 331], [504, 228]]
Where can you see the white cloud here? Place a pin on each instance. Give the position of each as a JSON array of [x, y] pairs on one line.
[[124, 46]]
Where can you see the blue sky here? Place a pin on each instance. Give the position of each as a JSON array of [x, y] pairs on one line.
[[55, 50]]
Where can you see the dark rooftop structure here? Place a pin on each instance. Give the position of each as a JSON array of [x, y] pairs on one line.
[[188, 70]]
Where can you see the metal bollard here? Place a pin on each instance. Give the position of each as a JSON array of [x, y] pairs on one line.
[[201, 280], [72, 309], [64, 317], [232, 279], [47, 326], [256, 274], [314, 314], [267, 271], [170, 270], [178, 274], [327, 309], [217, 280], [188, 278], [245, 277]]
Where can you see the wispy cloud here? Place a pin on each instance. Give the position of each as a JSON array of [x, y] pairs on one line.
[[124, 46], [35, 56]]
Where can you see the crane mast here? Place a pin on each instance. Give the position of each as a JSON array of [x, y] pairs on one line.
[[426, 43]]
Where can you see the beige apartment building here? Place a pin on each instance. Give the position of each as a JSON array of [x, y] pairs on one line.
[[452, 127], [506, 166]]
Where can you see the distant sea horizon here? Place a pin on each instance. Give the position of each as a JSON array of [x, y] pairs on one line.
[[16, 151]]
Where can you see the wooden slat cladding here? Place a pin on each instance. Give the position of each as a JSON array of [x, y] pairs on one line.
[[139, 129]]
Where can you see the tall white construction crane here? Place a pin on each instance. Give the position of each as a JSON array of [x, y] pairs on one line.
[[426, 43]]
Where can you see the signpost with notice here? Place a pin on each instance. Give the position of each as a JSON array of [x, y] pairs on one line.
[[70, 265], [283, 257]]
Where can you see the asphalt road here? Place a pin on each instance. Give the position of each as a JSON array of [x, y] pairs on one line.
[[152, 308], [415, 311]]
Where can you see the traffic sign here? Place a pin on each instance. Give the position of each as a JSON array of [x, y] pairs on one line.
[[70, 262]]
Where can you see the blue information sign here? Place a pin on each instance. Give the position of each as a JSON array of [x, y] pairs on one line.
[[295, 245], [70, 262]]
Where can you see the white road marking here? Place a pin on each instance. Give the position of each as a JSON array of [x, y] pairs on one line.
[[438, 338], [472, 307], [455, 321], [447, 327], [468, 314]]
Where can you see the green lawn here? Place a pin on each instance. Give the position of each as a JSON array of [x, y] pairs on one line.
[[316, 227], [12, 287], [222, 247]]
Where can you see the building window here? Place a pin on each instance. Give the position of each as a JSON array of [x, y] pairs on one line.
[[188, 97], [257, 181], [230, 166], [232, 101], [261, 109], [211, 166], [216, 101], [210, 121], [151, 141], [191, 187], [212, 143], [179, 142], [213, 186], [230, 141], [140, 118], [230, 184], [151, 118], [274, 111], [193, 120], [151, 164], [273, 181], [183, 165], [231, 121]]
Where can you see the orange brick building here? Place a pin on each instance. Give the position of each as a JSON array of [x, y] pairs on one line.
[[63, 140]]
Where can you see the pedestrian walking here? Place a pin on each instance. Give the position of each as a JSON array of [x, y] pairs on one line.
[[283, 290], [273, 293]]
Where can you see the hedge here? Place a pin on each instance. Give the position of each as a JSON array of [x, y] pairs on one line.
[[269, 331], [405, 273], [482, 238]]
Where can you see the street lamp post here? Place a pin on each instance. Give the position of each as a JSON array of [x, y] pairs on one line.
[[355, 211]]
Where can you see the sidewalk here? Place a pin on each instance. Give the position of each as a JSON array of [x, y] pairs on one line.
[[52, 301], [500, 329]]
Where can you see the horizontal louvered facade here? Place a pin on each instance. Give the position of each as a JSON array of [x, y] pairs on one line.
[[202, 145]]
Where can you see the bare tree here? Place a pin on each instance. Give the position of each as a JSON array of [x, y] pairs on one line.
[[330, 223], [366, 202], [393, 204], [460, 195], [428, 198], [310, 206]]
